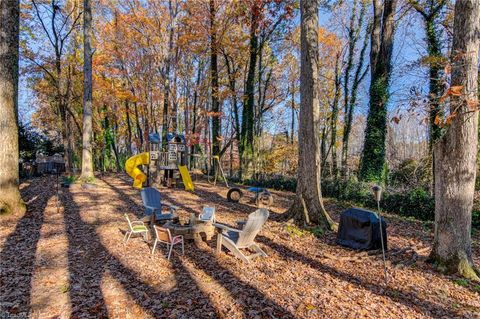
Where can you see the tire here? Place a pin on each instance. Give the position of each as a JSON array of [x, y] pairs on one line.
[[265, 198], [234, 194]]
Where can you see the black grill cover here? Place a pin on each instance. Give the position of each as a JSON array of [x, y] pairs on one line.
[[360, 229]]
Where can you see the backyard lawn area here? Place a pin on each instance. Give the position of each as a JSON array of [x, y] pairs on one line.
[[71, 262]]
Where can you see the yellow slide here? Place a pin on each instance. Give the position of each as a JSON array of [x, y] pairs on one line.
[[187, 180], [131, 167]]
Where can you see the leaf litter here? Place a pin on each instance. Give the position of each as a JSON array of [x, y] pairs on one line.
[[71, 262]]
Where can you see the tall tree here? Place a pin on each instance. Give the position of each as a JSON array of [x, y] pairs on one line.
[[10, 200], [334, 116], [308, 206], [350, 86], [430, 11], [381, 47], [216, 124], [246, 136], [87, 156], [173, 10], [58, 23], [456, 151]]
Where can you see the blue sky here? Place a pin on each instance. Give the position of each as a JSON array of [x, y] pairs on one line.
[[409, 47]]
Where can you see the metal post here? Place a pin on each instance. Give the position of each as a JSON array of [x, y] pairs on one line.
[[383, 247], [377, 192], [56, 186]]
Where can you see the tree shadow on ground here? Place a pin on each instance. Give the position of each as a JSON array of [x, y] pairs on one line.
[[407, 298], [250, 298], [206, 261], [89, 261], [204, 194], [231, 207], [17, 258]]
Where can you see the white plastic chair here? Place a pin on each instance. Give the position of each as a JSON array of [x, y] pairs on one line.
[[207, 215], [163, 235], [135, 227]]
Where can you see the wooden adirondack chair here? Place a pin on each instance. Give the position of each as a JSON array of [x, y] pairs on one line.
[[235, 240], [152, 201]]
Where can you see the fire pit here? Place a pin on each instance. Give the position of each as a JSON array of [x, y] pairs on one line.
[[195, 229]]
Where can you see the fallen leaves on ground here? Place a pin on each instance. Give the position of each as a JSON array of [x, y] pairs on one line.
[[70, 262]]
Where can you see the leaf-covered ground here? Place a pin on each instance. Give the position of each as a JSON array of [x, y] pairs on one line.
[[70, 262]]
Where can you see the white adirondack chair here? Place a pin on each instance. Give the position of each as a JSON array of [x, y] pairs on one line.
[[207, 215], [235, 240]]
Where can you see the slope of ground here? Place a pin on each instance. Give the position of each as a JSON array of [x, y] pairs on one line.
[[70, 262]]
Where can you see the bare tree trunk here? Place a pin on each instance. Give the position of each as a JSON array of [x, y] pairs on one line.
[[308, 206], [114, 143], [173, 117], [323, 148], [64, 116], [349, 109], [456, 152], [246, 140], [139, 127], [65, 132], [216, 121], [430, 13], [232, 83], [129, 128], [350, 96], [165, 121], [334, 117], [10, 200], [165, 105], [292, 123], [195, 105], [87, 158]]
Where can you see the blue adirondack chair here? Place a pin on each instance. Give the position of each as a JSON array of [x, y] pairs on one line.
[[152, 201]]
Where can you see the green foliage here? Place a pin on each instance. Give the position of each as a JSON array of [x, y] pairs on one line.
[[31, 142], [276, 182], [477, 182], [67, 180], [461, 282], [415, 203], [296, 231], [316, 231], [372, 167], [352, 190], [411, 174], [89, 180], [476, 219], [65, 288]]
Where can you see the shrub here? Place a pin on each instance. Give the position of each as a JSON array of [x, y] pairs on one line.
[[476, 219], [411, 174], [275, 182], [415, 203]]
